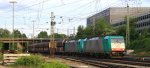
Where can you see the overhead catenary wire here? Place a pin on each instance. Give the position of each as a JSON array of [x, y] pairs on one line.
[[65, 4], [35, 4], [42, 3], [27, 7], [80, 7], [97, 3], [70, 17], [62, 2], [74, 17], [19, 9], [95, 11]]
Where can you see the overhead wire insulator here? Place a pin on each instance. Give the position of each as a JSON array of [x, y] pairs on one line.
[[61, 19], [70, 19], [53, 23]]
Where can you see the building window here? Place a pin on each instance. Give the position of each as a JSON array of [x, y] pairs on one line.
[[148, 15], [144, 17], [137, 25], [141, 24], [144, 23], [141, 18], [149, 23], [148, 29], [138, 18]]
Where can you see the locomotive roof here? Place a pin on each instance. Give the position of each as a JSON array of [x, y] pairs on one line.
[[72, 41], [94, 38], [82, 39], [107, 37]]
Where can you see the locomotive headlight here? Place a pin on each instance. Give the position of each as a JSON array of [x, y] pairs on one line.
[[124, 52], [113, 52]]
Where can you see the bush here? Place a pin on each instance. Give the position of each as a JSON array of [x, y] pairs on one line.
[[54, 64], [31, 61], [37, 61], [1, 46], [141, 45], [1, 56]]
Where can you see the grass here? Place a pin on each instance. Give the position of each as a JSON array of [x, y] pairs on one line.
[[142, 54], [54, 64], [37, 61]]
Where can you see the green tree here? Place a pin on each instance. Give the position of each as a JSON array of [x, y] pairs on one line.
[[133, 33], [43, 34], [88, 32], [80, 33], [56, 35], [24, 35], [144, 34], [17, 34], [4, 33], [102, 28], [121, 31]]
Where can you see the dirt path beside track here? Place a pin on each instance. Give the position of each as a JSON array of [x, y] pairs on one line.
[[1, 66]]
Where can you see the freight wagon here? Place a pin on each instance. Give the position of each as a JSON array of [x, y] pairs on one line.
[[45, 47]]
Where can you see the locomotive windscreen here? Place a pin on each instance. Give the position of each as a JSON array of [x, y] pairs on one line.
[[117, 44]]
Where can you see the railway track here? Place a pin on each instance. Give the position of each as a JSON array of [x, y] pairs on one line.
[[109, 63], [136, 63]]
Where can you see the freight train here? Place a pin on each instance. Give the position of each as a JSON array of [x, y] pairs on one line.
[[108, 46]]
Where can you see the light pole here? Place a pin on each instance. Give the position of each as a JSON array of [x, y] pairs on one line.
[[93, 25], [13, 2], [128, 28], [22, 36], [33, 33]]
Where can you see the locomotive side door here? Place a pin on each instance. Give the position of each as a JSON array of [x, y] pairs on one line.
[[106, 46]]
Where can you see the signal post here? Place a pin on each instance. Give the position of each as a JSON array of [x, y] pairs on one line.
[[52, 43]]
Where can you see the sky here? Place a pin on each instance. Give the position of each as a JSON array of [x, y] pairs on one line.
[[69, 14]]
